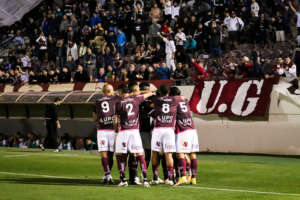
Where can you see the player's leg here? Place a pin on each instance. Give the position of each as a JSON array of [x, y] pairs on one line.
[[132, 168], [169, 147], [162, 158], [193, 156], [136, 147], [182, 169], [121, 155], [143, 164], [156, 146], [103, 146], [188, 168], [170, 167], [194, 167]]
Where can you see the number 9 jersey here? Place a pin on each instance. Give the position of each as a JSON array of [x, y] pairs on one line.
[[105, 110]]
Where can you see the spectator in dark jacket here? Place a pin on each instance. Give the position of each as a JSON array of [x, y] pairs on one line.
[[81, 75]]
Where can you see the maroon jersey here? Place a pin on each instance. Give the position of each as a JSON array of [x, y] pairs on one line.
[[184, 120], [106, 110], [128, 111], [165, 111]]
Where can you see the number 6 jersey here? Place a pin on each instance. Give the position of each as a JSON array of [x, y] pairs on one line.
[[105, 110]]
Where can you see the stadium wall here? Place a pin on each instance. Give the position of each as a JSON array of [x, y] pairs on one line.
[[278, 133]]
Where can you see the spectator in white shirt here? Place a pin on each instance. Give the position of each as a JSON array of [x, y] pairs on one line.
[[170, 51], [289, 71], [168, 9], [72, 50], [255, 8], [180, 37], [175, 9], [26, 60], [234, 25]]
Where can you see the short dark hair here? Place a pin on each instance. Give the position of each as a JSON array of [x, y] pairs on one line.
[[174, 91], [131, 85], [144, 85], [123, 88], [164, 90]]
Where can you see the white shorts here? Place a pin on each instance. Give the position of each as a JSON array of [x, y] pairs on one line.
[[163, 140], [187, 141], [129, 141], [106, 140]]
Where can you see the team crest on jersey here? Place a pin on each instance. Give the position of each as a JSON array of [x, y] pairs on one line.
[[102, 142], [158, 144], [185, 144], [124, 144]]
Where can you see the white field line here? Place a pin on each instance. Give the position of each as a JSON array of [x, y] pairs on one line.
[[191, 187], [242, 191], [12, 156]]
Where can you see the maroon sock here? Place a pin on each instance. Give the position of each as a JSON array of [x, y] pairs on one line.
[[143, 165], [105, 165], [155, 171], [171, 173], [121, 166], [134, 165], [194, 163], [182, 166], [188, 167]]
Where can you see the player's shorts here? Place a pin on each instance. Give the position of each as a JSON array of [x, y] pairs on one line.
[[187, 141], [146, 139], [163, 140], [106, 140], [129, 141]]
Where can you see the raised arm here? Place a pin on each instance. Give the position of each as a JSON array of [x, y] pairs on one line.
[[292, 7]]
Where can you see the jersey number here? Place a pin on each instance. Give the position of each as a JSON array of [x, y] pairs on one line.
[[165, 108], [129, 107], [183, 106], [105, 106]]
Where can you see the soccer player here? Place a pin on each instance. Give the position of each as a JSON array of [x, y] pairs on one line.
[[128, 138], [104, 117], [186, 139], [163, 135]]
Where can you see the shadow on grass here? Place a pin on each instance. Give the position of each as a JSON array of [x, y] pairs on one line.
[[54, 181]]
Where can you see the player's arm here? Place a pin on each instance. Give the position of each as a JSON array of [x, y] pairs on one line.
[[292, 7], [116, 123], [148, 94]]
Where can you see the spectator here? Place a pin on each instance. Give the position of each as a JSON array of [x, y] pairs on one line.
[[170, 51], [234, 25], [72, 50], [163, 72], [180, 74], [101, 75], [132, 74], [64, 76], [90, 63], [121, 42], [254, 8], [81, 75]]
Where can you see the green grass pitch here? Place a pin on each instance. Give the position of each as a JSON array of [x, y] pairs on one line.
[[32, 174]]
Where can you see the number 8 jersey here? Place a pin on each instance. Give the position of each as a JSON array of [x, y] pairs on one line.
[[165, 111]]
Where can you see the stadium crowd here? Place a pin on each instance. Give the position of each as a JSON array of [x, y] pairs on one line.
[[118, 40]]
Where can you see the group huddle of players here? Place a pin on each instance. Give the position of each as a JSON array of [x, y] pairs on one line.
[[146, 126]]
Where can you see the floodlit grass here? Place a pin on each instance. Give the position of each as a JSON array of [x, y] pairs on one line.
[[32, 174]]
